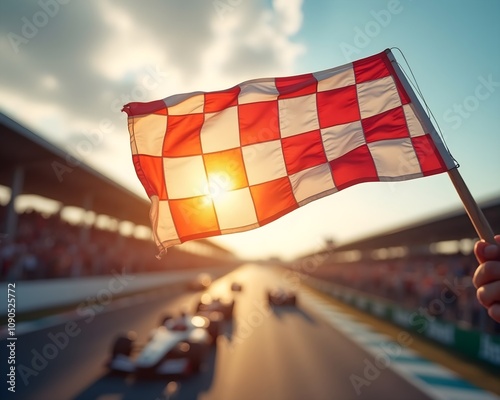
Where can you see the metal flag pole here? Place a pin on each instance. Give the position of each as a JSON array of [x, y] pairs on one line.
[[479, 221]]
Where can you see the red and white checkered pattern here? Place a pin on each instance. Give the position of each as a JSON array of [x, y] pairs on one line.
[[234, 160]]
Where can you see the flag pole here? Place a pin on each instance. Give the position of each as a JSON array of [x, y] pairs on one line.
[[475, 213], [479, 221]]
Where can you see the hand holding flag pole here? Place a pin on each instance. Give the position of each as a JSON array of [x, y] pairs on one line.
[[487, 275]]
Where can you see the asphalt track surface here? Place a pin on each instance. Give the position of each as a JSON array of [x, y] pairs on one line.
[[285, 353]]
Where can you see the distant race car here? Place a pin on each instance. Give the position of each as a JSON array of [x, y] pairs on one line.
[[207, 305], [281, 297], [236, 287], [179, 346]]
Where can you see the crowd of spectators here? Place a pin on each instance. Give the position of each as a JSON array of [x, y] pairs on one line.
[[441, 285], [47, 247]]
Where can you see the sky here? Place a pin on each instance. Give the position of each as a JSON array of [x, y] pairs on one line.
[[68, 66]]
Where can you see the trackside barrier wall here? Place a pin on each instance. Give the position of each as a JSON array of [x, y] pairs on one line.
[[49, 293], [474, 344]]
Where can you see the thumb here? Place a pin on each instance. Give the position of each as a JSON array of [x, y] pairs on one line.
[[486, 251]]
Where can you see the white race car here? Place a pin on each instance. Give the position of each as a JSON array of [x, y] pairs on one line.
[[178, 347]]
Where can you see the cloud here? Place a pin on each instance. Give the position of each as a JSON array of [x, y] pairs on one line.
[[253, 42], [92, 57], [41, 116], [289, 15], [109, 59]]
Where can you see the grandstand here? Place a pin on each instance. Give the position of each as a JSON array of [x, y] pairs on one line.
[[413, 266], [450, 231], [34, 245]]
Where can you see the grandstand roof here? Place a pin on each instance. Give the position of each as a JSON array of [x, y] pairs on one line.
[[21, 147], [454, 225]]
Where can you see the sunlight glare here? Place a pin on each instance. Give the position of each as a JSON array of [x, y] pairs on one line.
[[218, 184]]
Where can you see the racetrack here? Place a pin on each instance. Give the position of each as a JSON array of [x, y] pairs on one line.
[[265, 354]]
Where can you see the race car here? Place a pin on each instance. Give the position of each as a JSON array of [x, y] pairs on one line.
[[281, 297], [208, 305], [179, 346]]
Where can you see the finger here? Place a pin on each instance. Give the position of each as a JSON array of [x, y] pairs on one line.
[[494, 311], [486, 251], [489, 294], [486, 273]]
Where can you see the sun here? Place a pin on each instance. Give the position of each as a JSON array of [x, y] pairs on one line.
[[218, 184]]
